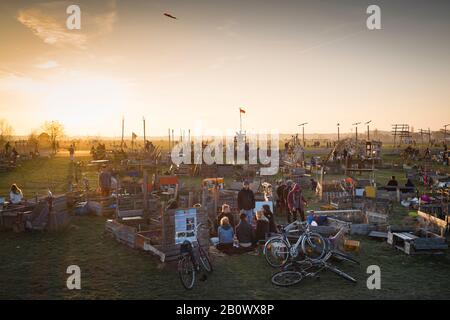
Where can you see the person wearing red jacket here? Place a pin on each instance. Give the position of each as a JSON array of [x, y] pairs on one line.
[[296, 204]]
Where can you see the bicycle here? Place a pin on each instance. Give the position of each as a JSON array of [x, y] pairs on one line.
[[191, 263], [296, 271], [278, 250]]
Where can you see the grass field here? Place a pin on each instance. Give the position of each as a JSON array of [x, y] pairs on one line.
[[33, 265]]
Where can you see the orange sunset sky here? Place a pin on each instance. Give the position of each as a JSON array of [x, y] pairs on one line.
[[285, 62]]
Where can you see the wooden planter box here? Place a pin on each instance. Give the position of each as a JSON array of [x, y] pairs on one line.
[[418, 242], [156, 237]]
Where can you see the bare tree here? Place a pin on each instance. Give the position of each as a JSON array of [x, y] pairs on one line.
[[33, 140], [55, 131], [6, 132]]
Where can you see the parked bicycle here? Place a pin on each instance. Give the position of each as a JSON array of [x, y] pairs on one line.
[[278, 250], [294, 272], [193, 259]]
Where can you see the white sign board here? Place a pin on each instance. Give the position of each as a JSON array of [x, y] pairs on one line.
[[185, 222], [259, 205]]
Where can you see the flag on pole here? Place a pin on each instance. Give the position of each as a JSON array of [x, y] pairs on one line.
[[241, 110]]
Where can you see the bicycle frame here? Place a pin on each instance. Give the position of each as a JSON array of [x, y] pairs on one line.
[[294, 249]]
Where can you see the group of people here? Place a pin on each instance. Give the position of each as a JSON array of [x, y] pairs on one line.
[[291, 200], [10, 152], [252, 226], [393, 183], [99, 152], [107, 181]]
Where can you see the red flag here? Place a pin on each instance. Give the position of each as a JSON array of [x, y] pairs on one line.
[[241, 110]]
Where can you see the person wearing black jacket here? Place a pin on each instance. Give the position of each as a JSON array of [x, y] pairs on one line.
[[269, 215], [281, 204], [246, 201], [244, 232], [262, 226]]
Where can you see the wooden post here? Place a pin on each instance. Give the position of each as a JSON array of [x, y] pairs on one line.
[[163, 223], [216, 199], [145, 186], [204, 197], [175, 195], [398, 194], [191, 199]]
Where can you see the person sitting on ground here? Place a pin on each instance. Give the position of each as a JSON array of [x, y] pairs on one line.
[[244, 232], [226, 235], [15, 195], [409, 184], [262, 226], [269, 215], [392, 182], [226, 212]]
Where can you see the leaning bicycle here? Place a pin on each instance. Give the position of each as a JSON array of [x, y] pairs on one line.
[[278, 250], [193, 260]]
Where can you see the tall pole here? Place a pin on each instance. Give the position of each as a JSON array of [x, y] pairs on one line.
[[123, 130], [303, 132], [169, 141], [240, 121], [303, 135], [338, 132], [445, 133], [356, 126], [368, 130], [143, 119]]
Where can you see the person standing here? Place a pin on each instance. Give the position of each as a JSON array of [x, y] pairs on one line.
[[104, 181], [286, 191], [71, 153], [296, 204], [281, 203], [246, 201]]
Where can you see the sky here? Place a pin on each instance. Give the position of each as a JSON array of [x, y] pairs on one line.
[[285, 62]]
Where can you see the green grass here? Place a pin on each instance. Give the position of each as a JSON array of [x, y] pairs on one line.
[[33, 265]]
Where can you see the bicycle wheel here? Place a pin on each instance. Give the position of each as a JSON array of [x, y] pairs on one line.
[[342, 274], [186, 271], [314, 246], [276, 251], [204, 259], [286, 278]]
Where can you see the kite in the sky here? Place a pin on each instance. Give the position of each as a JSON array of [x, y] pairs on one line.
[[170, 16]]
